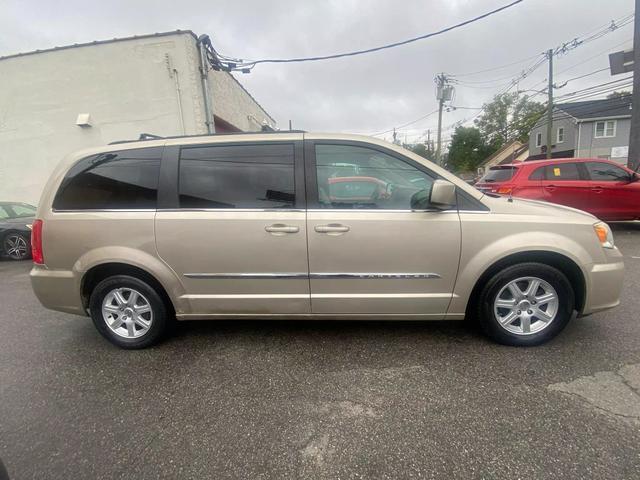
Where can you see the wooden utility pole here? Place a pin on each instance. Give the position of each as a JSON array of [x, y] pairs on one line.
[[634, 137], [439, 137], [443, 95], [550, 103]]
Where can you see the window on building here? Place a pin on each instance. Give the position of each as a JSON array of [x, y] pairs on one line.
[[126, 179], [605, 129], [560, 136], [538, 139], [605, 172], [562, 171], [358, 177], [237, 176]]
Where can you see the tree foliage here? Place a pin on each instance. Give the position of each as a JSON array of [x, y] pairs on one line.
[[619, 94], [422, 149], [508, 117], [468, 149]]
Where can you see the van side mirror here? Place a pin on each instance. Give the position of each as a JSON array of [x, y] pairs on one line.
[[443, 195], [440, 195]]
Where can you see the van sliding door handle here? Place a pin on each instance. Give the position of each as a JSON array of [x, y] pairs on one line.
[[281, 229], [332, 229]]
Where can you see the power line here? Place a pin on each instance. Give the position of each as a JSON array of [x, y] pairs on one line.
[[562, 49], [596, 87], [223, 62], [607, 28], [585, 75], [405, 125], [468, 74]]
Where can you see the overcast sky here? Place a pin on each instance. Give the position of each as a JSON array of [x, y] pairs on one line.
[[366, 94]]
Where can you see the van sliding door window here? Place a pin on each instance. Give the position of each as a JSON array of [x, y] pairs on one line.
[[237, 176]]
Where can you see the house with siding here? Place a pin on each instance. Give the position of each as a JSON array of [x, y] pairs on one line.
[[593, 128], [514, 151]]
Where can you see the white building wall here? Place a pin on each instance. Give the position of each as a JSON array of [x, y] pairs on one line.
[[127, 86]]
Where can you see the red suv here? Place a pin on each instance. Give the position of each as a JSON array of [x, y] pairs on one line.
[[601, 187]]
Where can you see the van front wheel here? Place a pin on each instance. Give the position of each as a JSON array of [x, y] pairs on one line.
[[526, 304], [128, 312]]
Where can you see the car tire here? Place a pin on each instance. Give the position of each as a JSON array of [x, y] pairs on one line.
[[129, 312], [512, 314], [16, 246]]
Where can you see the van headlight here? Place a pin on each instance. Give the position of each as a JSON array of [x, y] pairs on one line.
[[604, 234]]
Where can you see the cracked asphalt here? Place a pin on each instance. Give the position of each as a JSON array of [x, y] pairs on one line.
[[262, 400]]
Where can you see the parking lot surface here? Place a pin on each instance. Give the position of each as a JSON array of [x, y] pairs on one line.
[[267, 399]]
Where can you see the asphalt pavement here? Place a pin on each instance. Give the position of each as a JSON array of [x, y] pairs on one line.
[[269, 399]]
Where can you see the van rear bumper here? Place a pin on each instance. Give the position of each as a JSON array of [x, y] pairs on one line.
[[57, 289]]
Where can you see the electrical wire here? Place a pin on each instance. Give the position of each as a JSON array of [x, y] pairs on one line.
[[404, 125], [231, 64]]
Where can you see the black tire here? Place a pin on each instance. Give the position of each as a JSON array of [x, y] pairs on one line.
[[554, 277], [9, 244], [161, 318]]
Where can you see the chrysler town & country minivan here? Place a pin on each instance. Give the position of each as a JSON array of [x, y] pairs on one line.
[[297, 225]]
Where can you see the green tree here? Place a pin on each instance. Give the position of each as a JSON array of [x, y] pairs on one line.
[[621, 93], [421, 149], [508, 117], [468, 149]]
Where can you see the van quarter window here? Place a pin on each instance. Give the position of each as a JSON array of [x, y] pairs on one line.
[[237, 176], [122, 180]]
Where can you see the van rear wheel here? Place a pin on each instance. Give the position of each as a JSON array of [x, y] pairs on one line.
[[526, 304], [128, 312]]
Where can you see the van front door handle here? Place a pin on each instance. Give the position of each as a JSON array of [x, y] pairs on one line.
[[332, 229], [551, 188], [597, 189], [281, 229]]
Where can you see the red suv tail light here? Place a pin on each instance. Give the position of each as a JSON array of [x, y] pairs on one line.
[[505, 189], [36, 242]]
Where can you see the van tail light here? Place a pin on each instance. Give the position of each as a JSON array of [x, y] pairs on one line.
[[505, 189], [36, 242]]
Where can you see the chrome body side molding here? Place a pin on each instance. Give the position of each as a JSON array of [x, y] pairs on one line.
[[314, 276]]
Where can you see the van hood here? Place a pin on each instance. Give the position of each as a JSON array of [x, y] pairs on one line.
[[523, 206]]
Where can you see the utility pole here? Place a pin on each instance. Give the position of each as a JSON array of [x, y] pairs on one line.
[[550, 103], [633, 159], [444, 93], [439, 137]]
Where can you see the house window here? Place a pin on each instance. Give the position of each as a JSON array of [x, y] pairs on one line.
[[538, 139], [560, 137], [605, 129]]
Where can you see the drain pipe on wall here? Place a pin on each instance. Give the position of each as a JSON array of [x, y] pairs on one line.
[[204, 77], [173, 72]]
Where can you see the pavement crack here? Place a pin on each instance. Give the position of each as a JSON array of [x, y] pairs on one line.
[[628, 384], [597, 407]]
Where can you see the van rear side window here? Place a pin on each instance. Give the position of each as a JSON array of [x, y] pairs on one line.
[[121, 180]]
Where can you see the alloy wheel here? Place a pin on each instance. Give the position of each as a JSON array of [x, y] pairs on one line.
[[526, 305], [127, 312], [16, 247]]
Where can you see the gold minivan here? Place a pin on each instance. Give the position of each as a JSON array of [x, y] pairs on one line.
[[297, 225]]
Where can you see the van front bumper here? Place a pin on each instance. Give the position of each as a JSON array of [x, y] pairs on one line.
[[604, 284], [57, 289]]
